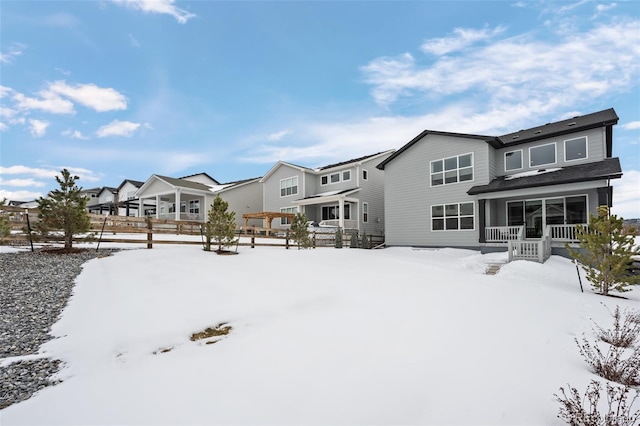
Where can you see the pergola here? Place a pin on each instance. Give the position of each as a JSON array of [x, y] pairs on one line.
[[266, 216]]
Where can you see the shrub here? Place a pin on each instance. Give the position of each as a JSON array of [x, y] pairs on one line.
[[612, 365], [221, 226], [624, 333], [338, 238], [574, 411], [354, 240]]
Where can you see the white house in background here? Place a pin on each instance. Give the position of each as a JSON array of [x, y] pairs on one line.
[[103, 202], [184, 198], [128, 203], [91, 195], [348, 194]]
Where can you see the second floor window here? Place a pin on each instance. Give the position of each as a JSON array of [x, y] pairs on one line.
[[513, 160], [575, 149], [452, 170], [289, 186], [543, 154]]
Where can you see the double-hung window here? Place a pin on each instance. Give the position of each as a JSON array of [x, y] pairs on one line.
[[194, 206], [286, 220], [449, 217], [289, 186], [452, 170]]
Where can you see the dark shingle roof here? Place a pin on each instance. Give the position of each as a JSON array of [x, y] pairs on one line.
[[606, 169], [354, 160], [184, 183], [582, 122], [202, 173]]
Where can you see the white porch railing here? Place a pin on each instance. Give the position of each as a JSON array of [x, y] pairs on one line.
[[348, 224], [497, 234], [565, 232], [197, 217], [538, 251]]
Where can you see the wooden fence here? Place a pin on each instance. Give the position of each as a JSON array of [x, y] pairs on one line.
[[132, 230]]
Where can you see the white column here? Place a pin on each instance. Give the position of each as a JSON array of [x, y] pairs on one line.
[[177, 212], [157, 207], [341, 210]]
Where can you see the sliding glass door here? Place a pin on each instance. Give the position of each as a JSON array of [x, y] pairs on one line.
[[536, 214]]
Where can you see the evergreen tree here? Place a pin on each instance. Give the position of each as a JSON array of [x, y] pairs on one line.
[[354, 240], [606, 252], [5, 230], [339, 238], [299, 231], [221, 225], [65, 209], [365, 241]]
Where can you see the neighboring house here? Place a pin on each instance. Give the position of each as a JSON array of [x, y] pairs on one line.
[[525, 190], [106, 201], [91, 195], [243, 196], [347, 194], [185, 198], [128, 202]]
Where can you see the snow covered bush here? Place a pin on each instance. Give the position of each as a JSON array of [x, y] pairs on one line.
[[576, 410], [624, 332]]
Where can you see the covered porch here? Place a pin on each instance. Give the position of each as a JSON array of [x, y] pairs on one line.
[[333, 209]]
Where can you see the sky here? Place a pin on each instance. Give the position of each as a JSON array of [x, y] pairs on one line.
[[124, 89], [426, 339]]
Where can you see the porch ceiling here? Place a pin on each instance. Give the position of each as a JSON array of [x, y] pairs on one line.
[[328, 197]]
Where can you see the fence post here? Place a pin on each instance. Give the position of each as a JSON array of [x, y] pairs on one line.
[[149, 233], [287, 240], [313, 240]]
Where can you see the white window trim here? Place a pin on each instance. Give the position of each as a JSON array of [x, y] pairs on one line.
[[521, 160], [544, 199], [293, 210], [473, 170], [297, 186], [324, 184], [555, 154], [365, 212], [331, 182], [459, 216], [586, 149], [342, 175]]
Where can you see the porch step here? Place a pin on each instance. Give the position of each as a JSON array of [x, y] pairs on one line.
[[493, 268]]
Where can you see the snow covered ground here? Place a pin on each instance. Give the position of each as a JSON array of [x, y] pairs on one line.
[[325, 336]]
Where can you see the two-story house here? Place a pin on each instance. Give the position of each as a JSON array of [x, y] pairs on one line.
[[523, 191], [348, 194]]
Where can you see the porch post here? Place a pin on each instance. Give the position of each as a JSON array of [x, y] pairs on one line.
[[177, 209], [341, 212], [481, 219], [157, 206]]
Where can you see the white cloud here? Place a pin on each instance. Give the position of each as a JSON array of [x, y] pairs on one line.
[[462, 38], [158, 6], [5, 91], [19, 195], [75, 134], [38, 127], [603, 60], [3, 127], [49, 102], [30, 171], [98, 98], [15, 50], [117, 128], [278, 135], [21, 182], [626, 197], [632, 125]]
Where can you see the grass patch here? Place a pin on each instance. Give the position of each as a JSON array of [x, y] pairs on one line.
[[221, 329]]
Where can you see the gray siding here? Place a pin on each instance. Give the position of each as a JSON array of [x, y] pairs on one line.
[[372, 193], [273, 202], [409, 195], [246, 198], [596, 151]]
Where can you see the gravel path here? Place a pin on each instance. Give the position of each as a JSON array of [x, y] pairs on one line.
[[34, 289]]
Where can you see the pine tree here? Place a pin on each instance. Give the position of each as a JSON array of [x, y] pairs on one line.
[[365, 241], [221, 225], [354, 240], [339, 238], [5, 230], [606, 252], [65, 209], [299, 231]]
